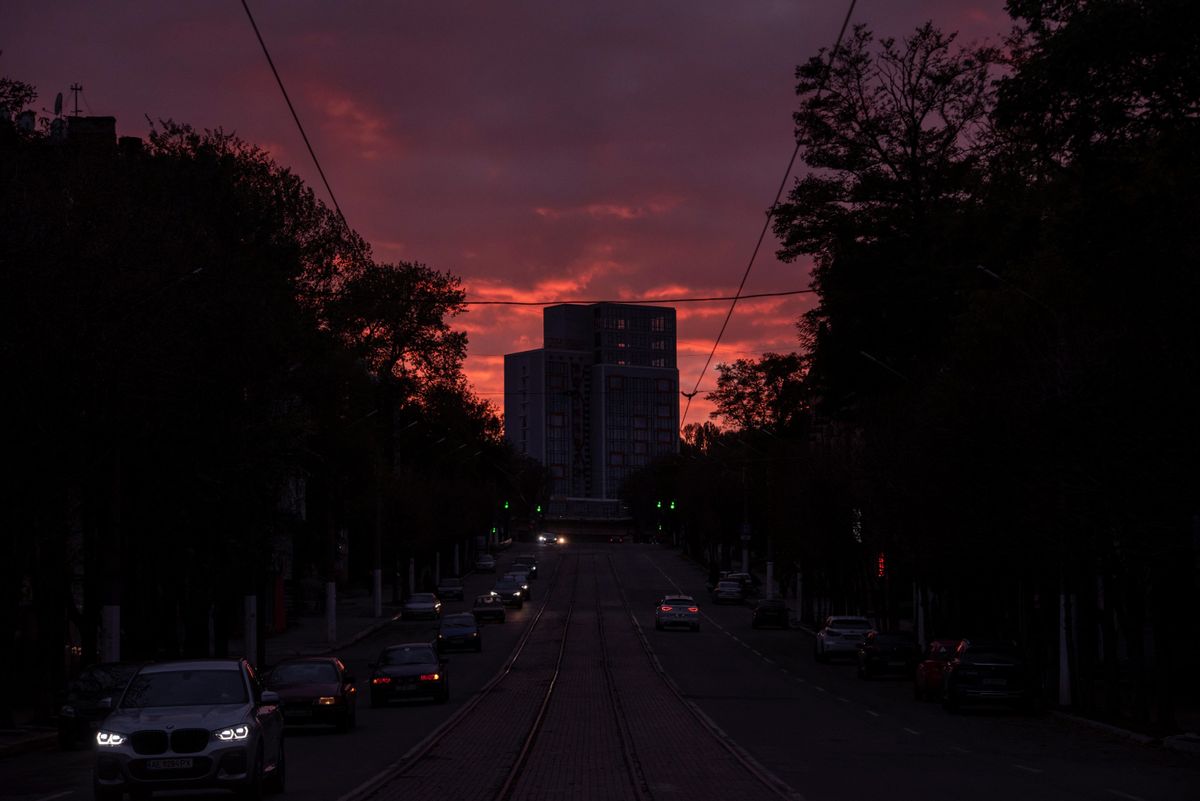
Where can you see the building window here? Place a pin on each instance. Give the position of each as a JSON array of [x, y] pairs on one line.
[[556, 420], [616, 382], [664, 411], [663, 385], [558, 470], [660, 362], [664, 436], [639, 447], [658, 324], [641, 422], [616, 458], [620, 323], [658, 344]]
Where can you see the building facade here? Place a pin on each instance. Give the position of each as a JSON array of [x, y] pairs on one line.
[[601, 398]]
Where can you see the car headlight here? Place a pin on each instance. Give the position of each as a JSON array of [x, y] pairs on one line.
[[541, 538], [110, 738], [240, 732]]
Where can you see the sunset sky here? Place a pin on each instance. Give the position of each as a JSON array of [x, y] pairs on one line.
[[538, 150]]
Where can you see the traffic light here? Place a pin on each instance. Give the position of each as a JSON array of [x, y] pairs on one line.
[[506, 504], [672, 505], [493, 529], [658, 504], [539, 508]]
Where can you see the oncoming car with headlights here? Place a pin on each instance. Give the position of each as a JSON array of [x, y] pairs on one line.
[[188, 725]]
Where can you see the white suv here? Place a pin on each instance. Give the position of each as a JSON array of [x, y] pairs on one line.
[[186, 725], [841, 634]]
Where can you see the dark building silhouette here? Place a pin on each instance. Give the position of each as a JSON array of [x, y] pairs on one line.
[[598, 401]]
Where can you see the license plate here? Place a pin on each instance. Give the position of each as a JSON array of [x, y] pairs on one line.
[[169, 764], [995, 682]]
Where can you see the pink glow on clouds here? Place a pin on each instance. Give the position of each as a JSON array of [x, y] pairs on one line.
[[621, 151]]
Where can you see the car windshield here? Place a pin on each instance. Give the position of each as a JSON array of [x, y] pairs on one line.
[[303, 673], [677, 600], [506, 586], [185, 688], [421, 598], [409, 655], [106, 677], [483, 600], [458, 622], [849, 623]]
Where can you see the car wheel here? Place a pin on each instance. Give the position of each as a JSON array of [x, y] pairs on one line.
[[479, 647], [444, 696], [102, 793], [376, 701], [657, 626], [139, 794], [696, 627], [918, 694], [949, 700], [277, 781], [819, 654], [753, 624]]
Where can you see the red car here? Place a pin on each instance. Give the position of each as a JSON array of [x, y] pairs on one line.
[[927, 680]]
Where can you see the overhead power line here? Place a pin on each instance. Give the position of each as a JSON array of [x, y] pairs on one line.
[[296, 117], [638, 301], [766, 224]]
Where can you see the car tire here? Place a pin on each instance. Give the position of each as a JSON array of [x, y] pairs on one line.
[[696, 627], [657, 626], [479, 647], [277, 781], [139, 794], [819, 654], [918, 693], [753, 624], [376, 701], [949, 701], [444, 695]]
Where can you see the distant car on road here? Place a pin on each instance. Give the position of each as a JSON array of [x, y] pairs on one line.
[[421, 605], [728, 592], [191, 725], [459, 631], [450, 588], [552, 539], [81, 709], [677, 611], [410, 670], [617, 538], [769, 612], [840, 634], [510, 592], [886, 653], [527, 562], [927, 678], [488, 607], [485, 563], [522, 578], [315, 689], [986, 671]]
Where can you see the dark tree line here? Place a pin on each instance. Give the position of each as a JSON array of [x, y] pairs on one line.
[[996, 387], [210, 382]]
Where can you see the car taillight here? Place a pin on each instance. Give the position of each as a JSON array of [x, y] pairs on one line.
[[382, 680], [430, 677], [666, 608], [693, 609]]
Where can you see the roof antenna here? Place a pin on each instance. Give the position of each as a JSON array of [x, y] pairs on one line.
[[76, 88]]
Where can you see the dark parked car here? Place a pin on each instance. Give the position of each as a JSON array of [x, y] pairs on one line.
[[769, 612], [450, 588], [412, 670], [315, 689], [81, 709], [459, 631], [986, 671], [201, 724], [886, 653], [488, 607], [927, 678]]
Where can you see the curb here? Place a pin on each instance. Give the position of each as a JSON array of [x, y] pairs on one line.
[[1188, 743], [1129, 734]]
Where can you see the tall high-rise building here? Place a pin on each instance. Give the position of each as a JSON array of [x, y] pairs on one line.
[[599, 400]]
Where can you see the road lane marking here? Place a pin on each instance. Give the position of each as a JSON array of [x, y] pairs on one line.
[[843, 700], [872, 713], [912, 731], [819, 689], [1027, 769], [1119, 794], [768, 660]]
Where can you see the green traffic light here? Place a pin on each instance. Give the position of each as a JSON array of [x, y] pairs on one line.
[[506, 504], [539, 508], [659, 504], [672, 504]]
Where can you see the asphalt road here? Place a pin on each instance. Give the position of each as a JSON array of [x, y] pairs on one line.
[[752, 707]]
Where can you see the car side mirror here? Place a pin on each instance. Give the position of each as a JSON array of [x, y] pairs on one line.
[[269, 698]]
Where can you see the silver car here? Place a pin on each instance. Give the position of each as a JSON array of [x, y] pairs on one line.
[[677, 611], [421, 605], [188, 725], [841, 634]]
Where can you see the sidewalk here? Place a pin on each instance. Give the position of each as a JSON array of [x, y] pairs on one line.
[[304, 636]]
